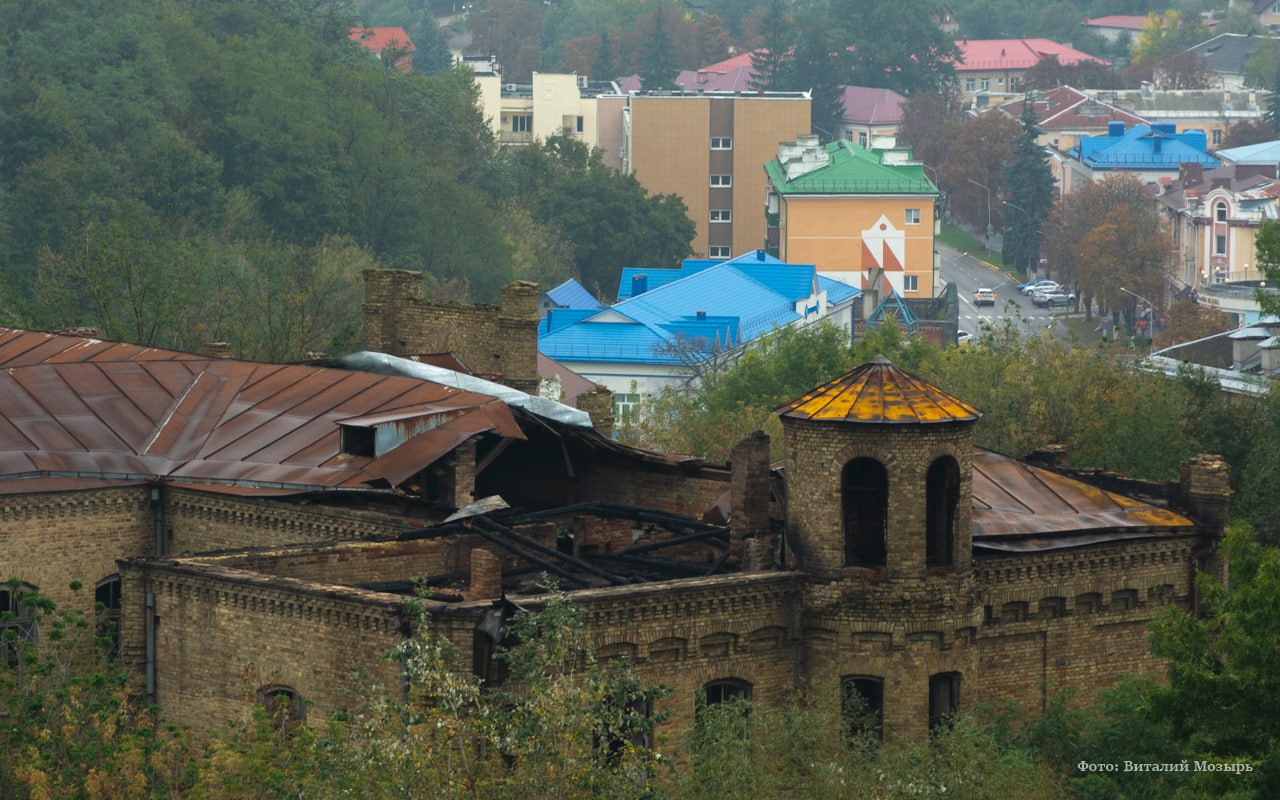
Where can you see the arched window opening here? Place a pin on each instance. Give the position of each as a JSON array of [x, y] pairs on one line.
[[865, 490], [1221, 212], [862, 705], [17, 621], [106, 604], [944, 698], [284, 705], [942, 498], [730, 690]]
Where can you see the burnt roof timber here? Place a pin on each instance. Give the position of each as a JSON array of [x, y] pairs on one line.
[[484, 523], [658, 563], [706, 536], [504, 542]]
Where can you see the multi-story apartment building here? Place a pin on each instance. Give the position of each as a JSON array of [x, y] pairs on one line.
[[997, 66], [709, 148], [550, 103], [852, 211]]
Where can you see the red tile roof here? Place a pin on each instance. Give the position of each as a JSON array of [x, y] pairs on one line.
[[867, 106], [1124, 21], [1065, 108], [997, 54], [379, 39]]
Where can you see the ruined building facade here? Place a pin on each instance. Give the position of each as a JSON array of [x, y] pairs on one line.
[[259, 530]]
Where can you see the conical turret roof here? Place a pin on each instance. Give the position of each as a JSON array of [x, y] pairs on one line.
[[879, 392]]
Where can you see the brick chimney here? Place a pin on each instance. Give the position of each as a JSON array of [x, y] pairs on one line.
[[598, 403], [1204, 490], [750, 532], [486, 576]]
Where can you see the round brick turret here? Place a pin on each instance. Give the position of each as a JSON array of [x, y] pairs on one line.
[[879, 476]]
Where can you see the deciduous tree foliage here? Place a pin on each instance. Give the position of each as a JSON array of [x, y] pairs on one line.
[[1107, 236], [982, 147]]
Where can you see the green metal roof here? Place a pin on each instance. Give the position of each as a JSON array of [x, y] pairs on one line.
[[852, 169]]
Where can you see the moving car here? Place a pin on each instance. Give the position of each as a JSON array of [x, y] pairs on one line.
[[984, 297], [1051, 299]]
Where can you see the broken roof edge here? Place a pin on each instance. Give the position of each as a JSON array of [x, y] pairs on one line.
[[382, 363]]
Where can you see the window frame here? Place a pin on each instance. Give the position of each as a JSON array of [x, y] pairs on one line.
[[721, 142], [726, 181], [910, 283], [522, 123], [909, 213], [1220, 211], [1220, 244], [721, 215], [720, 251], [108, 615], [727, 690], [873, 719]]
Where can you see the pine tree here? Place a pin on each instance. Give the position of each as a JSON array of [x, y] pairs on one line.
[[816, 68], [1029, 182], [431, 53], [657, 59], [605, 65], [778, 34], [1272, 116]]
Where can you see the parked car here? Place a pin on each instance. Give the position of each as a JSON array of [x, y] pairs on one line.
[[963, 338], [1051, 299], [984, 297], [1039, 286]]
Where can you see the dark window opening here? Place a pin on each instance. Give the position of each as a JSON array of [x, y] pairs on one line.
[[944, 698], [865, 485], [284, 706], [1088, 603], [862, 705], [1221, 212], [356, 441], [486, 664], [942, 490], [727, 691], [106, 603], [1053, 607], [17, 622], [633, 727]]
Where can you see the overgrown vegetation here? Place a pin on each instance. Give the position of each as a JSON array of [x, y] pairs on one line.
[[569, 725]]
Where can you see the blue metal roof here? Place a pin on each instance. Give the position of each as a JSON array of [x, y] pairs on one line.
[[572, 294], [837, 291], [660, 276], [722, 302], [1145, 147]]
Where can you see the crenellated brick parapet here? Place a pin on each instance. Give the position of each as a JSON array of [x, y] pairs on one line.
[[494, 341]]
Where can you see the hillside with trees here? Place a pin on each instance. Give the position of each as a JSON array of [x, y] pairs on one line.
[[175, 174]]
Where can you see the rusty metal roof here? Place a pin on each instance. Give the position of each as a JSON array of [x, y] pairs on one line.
[[98, 411], [879, 392], [19, 348], [1017, 506]]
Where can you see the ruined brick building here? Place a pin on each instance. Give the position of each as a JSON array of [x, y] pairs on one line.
[[258, 529]]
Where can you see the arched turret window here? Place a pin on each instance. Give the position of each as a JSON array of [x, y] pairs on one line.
[[865, 493], [942, 496]]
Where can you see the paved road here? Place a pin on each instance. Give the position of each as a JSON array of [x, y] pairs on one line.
[[970, 274]]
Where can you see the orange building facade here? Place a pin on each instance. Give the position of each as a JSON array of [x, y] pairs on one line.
[[851, 211]]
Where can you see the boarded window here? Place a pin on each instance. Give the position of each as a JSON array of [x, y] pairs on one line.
[[1124, 599]]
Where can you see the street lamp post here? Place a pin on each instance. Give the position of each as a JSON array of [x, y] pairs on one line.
[[1151, 312], [1031, 255], [987, 243]]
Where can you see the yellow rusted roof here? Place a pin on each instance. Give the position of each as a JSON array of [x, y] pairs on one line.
[[879, 392]]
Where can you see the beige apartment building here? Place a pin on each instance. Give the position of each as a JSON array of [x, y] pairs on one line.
[[710, 149], [551, 103]]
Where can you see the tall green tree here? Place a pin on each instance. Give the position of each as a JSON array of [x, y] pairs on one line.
[[778, 33], [605, 64], [895, 45], [817, 66], [657, 64], [1029, 183]]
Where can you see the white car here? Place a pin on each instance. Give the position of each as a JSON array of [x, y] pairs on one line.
[[1040, 287], [963, 338]]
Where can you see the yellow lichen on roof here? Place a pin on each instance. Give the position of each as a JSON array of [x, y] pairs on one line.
[[879, 392]]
